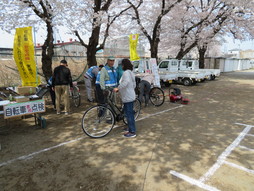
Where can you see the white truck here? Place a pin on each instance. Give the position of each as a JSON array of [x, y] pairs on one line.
[[193, 65], [171, 66], [144, 65]]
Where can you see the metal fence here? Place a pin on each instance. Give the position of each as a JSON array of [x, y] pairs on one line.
[[9, 75]]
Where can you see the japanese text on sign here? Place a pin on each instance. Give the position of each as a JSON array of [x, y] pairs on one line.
[[23, 108]]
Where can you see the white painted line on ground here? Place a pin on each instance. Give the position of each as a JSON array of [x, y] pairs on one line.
[[24, 157], [251, 135], [159, 113], [244, 124], [239, 167], [29, 156], [193, 181], [224, 155], [246, 148], [145, 117]]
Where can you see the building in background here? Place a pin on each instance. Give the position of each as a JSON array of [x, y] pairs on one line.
[[6, 54], [247, 54], [119, 47], [71, 48], [233, 53]]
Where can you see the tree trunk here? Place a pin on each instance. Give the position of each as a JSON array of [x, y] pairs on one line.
[[202, 51], [182, 52], [180, 55], [91, 56], [47, 53], [92, 47], [154, 48]]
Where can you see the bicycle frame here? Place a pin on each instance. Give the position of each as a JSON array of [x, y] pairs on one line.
[[118, 112], [99, 120], [75, 97]]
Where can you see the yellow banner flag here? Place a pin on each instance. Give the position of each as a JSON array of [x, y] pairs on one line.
[[23, 51], [133, 47]]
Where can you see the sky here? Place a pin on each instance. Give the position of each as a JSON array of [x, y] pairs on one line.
[[6, 41]]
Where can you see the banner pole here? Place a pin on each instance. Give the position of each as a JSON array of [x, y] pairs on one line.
[[35, 56]]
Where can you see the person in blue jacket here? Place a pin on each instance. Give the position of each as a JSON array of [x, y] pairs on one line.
[[106, 79], [89, 76]]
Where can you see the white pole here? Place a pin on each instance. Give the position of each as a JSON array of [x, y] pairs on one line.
[[35, 57]]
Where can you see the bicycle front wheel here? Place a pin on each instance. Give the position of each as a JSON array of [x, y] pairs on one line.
[[98, 121], [76, 96], [156, 96], [136, 108]]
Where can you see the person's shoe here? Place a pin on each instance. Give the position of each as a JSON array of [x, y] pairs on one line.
[[66, 113], [90, 100], [58, 113], [129, 135]]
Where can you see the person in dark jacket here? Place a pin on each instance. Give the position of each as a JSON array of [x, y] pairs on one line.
[[61, 83]]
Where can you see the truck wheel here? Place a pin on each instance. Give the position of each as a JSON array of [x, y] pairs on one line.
[[187, 82], [195, 82], [213, 77]]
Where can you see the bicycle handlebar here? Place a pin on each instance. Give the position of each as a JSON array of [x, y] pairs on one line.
[[108, 92]]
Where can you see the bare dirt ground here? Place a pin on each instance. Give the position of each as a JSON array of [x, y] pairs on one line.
[[176, 145]]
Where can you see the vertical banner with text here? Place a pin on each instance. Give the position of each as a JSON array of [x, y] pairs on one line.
[[23, 51], [133, 47], [155, 71]]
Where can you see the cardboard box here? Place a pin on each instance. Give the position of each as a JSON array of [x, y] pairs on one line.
[[26, 90], [19, 99]]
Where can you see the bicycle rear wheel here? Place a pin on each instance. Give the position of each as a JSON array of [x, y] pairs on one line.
[[76, 96], [156, 96], [136, 108], [98, 121]]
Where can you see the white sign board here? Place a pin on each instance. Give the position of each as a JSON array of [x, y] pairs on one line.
[[155, 72], [24, 108]]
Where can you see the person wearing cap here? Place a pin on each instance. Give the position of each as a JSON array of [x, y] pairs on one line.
[[106, 79], [89, 76], [61, 82]]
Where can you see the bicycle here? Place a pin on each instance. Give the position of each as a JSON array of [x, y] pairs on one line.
[[74, 93], [156, 94], [99, 120]]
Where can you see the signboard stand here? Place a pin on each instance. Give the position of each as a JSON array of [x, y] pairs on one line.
[[22, 109]]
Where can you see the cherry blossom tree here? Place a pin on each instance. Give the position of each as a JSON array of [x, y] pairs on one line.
[[197, 23], [92, 20], [149, 15], [36, 13], [178, 26]]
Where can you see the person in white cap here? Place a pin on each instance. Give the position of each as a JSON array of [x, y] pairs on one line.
[[106, 79]]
